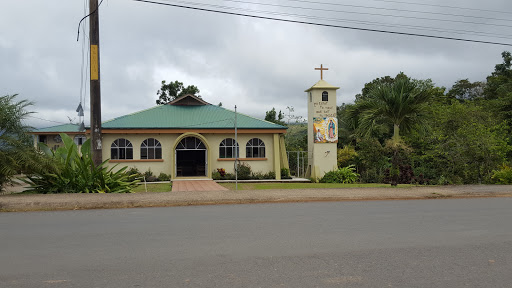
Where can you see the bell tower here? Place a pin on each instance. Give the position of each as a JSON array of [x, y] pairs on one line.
[[322, 128]]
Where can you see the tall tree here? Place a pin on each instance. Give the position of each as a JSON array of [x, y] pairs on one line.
[[499, 93], [273, 117], [375, 82], [499, 87], [400, 103], [464, 90], [467, 142], [174, 90]]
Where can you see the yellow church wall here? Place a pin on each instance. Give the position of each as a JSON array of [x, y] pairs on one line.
[[257, 165], [212, 141], [157, 166]]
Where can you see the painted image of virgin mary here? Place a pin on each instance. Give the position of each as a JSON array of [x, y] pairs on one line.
[[332, 129]]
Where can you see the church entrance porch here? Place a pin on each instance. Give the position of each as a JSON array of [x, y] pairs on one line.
[[191, 155]]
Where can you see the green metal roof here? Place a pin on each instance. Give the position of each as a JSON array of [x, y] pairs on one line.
[[64, 128], [187, 117]]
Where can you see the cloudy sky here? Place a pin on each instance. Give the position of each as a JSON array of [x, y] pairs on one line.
[[255, 64]]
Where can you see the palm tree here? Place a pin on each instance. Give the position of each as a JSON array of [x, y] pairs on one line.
[[401, 104], [16, 150]]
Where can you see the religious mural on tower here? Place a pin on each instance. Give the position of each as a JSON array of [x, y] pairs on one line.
[[325, 129]]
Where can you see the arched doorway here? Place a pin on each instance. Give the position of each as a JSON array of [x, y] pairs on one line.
[[191, 155]]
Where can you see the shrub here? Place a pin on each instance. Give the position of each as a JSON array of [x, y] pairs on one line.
[[149, 177], [75, 172], [269, 175], [421, 180], [163, 177], [221, 171], [229, 176], [244, 171], [503, 176], [285, 173], [134, 173], [342, 175], [216, 176], [257, 176], [404, 174], [346, 156], [148, 173]]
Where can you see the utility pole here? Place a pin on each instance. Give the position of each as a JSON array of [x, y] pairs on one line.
[[94, 38], [236, 153]]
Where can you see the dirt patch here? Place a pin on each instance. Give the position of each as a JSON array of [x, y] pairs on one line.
[[48, 202]]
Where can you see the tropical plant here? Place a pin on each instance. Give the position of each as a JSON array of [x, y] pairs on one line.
[[17, 153], [342, 175], [75, 172], [401, 103], [346, 155]]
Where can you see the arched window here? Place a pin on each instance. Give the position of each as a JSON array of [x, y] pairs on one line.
[[121, 149], [255, 148], [191, 143], [150, 149], [227, 148], [325, 96]]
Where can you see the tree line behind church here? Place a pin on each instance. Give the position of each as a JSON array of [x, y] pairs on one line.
[[405, 130]]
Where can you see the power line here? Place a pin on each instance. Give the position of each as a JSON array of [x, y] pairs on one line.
[[370, 7], [47, 120], [78, 34], [324, 25], [368, 23], [429, 5], [347, 12]]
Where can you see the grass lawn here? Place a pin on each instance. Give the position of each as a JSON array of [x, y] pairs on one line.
[[153, 187], [261, 186], [166, 187]]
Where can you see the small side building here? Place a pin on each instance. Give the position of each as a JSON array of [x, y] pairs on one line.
[[51, 135], [187, 137]]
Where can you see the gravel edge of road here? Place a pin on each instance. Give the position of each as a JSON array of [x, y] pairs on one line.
[[56, 202]]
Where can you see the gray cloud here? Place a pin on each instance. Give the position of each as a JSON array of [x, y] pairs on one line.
[[252, 63]]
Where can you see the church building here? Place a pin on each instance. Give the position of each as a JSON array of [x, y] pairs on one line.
[[187, 137]]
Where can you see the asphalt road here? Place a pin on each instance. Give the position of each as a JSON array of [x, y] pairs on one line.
[[415, 243]]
